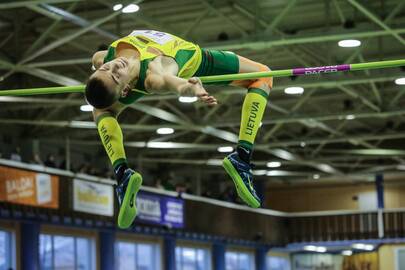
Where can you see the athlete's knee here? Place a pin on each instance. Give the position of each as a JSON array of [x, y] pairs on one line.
[[265, 83], [263, 67]]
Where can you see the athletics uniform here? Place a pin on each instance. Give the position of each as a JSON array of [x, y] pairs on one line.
[[191, 59]]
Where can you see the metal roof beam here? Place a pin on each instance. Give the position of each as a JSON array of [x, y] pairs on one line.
[[259, 147], [376, 20], [224, 16], [313, 118], [59, 63], [307, 39], [22, 4], [39, 41], [58, 13], [41, 73]]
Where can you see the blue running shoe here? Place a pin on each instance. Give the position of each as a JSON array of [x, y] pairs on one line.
[[126, 193], [241, 174]]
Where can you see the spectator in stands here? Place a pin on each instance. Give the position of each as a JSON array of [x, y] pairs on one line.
[[181, 187], [107, 173], [15, 155], [36, 159], [168, 185], [62, 165], [228, 195], [93, 171], [189, 188], [50, 161], [158, 184], [207, 193], [82, 168]]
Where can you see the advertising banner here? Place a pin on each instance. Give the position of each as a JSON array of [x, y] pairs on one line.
[[161, 210], [93, 198], [29, 188]]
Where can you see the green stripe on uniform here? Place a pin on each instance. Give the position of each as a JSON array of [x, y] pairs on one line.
[[258, 91], [245, 144], [119, 162], [182, 57], [102, 116]]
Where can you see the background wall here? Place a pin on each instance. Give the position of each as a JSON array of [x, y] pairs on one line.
[[386, 256], [333, 197]]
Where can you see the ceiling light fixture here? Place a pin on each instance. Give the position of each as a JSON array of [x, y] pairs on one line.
[[273, 164], [259, 172], [400, 81], [86, 108], [188, 99], [131, 8], [225, 149], [214, 162], [294, 90], [350, 117], [165, 131], [349, 43], [117, 7]]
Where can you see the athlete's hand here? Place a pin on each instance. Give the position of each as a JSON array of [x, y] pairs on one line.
[[196, 85]]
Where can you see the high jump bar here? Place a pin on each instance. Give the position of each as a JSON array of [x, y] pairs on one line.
[[228, 77]]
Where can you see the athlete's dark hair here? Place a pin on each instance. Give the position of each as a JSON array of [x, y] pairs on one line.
[[98, 94]]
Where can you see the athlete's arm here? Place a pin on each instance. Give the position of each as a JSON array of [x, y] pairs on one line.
[[98, 59], [161, 76]]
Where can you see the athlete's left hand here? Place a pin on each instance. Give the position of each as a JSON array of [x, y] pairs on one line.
[[201, 93]]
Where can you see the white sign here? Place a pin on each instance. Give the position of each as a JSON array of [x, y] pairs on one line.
[[44, 188], [156, 36], [93, 198], [149, 208]]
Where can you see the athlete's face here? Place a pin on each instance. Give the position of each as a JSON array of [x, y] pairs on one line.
[[115, 74]]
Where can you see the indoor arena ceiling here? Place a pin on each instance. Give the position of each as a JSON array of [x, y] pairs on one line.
[[344, 124]]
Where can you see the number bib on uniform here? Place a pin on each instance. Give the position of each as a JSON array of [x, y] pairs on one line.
[[158, 37]]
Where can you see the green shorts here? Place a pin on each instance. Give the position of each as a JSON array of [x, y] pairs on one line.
[[218, 63]]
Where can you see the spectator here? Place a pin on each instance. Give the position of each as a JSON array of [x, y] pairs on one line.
[[62, 165], [107, 173], [36, 159], [189, 189], [207, 193], [50, 161], [228, 195], [167, 185], [158, 184], [16, 156], [83, 168], [180, 187]]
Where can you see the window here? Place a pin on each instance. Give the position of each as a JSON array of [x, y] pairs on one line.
[[400, 259], [190, 258], [278, 263], [59, 252], [6, 250], [140, 256], [239, 260]]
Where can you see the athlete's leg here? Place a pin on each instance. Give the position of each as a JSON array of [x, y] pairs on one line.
[[128, 180], [238, 164], [253, 107]]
